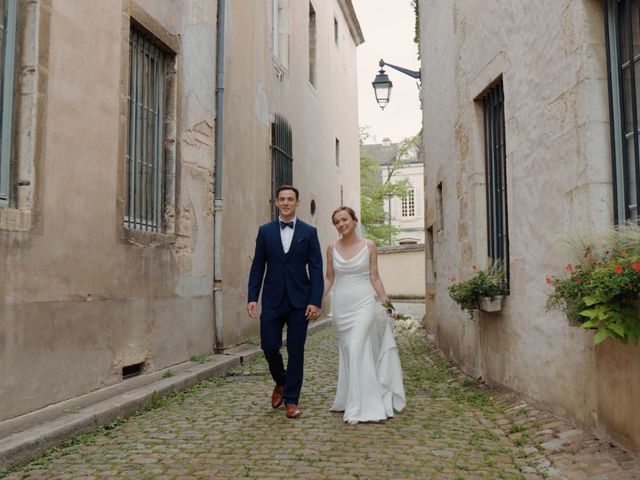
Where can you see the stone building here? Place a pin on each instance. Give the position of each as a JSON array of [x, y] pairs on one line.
[[140, 143], [525, 140], [291, 115], [406, 214]]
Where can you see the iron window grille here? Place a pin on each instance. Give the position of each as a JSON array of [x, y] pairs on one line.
[[496, 177], [145, 149], [409, 204], [622, 32], [8, 31], [312, 45], [281, 157]]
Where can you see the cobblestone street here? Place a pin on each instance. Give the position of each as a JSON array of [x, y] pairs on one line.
[[225, 428]]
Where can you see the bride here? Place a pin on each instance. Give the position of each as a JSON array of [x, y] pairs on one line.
[[370, 377]]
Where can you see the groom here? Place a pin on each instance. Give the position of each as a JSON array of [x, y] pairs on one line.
[[288, 248]]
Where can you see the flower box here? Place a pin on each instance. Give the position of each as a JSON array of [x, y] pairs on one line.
[[491, 304]]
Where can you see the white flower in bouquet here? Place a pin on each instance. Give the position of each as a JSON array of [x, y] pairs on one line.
[[406, 325]]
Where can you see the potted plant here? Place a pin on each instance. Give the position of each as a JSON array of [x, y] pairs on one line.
[[601, 290], [484, 291]]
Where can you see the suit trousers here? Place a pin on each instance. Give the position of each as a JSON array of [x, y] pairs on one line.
[[272, 322]]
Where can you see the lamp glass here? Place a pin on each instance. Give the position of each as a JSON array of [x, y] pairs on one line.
[[382, 88]]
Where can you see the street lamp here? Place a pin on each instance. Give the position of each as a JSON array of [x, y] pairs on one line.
[[382, 85]]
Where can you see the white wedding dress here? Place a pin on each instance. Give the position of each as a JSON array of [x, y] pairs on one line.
[[370, 376]]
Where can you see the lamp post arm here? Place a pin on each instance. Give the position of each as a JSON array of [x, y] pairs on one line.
[[411, 73]]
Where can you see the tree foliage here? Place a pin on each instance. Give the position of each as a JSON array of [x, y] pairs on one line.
[[375, 190], [416, 37]]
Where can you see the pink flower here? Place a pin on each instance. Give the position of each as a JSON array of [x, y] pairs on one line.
[[474, 268], [548, 280], [635, 266], [568, 267]]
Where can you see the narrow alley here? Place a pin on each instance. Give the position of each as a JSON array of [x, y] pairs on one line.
[[225, 428]]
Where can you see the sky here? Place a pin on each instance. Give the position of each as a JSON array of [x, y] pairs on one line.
[[388, 28]]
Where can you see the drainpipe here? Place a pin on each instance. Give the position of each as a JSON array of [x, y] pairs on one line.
[[217, 213]]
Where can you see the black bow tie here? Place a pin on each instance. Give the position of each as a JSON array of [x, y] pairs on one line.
[[286, 224]]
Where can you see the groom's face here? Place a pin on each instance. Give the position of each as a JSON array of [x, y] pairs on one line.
[[287, 202]]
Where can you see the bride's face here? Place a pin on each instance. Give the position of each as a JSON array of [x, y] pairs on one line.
[[344, 223]]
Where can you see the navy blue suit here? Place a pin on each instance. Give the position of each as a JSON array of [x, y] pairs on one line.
[[293, 280]]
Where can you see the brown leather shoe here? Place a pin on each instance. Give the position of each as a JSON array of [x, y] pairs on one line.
[[292, 410], [277, 396]]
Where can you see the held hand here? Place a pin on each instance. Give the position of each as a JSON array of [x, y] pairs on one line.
[[312, 313], [252, 309]]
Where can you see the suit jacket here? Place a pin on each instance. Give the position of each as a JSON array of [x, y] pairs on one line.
[[297, 272]]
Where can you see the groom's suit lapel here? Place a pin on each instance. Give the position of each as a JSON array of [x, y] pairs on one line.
[[297, 235], [276, 236]]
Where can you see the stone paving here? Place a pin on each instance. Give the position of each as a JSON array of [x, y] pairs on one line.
[[225, 428]]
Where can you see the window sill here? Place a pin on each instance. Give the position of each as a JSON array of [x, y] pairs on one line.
[[143, 238], [14, 220]]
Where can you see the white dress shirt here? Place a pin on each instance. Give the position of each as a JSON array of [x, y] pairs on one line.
[[286, 234]]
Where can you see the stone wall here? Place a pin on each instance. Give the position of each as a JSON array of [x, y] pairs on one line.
[[83, 297], [550, 57], [402, 270]]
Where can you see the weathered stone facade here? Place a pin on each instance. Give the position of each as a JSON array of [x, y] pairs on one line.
[[551, 60], [262, 84], [81, 296]]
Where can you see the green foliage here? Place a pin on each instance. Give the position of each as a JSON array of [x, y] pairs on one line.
[[376, 190], [603, 298], [601, 292], [416, 9], [201, 358], [485, 283]]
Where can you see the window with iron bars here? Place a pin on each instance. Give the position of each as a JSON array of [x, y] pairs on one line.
[[8, 30], [409, 204], [496, 177], [145, 150], [312, 46], [622, 28], [281, 158]]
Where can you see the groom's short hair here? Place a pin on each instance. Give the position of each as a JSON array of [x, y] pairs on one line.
[[288, 187]]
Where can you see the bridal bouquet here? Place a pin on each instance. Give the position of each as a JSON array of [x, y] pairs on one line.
[[407, 326], [402, 324]]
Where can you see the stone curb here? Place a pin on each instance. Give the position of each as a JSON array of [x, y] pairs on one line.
[[25, 437]]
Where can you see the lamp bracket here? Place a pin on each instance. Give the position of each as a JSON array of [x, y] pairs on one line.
[[411, 73]]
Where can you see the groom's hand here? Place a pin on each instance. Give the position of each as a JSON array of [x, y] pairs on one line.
[[312, 313], [252, 309]]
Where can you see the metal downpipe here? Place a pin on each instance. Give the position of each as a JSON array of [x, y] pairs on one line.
[[217, 214]]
